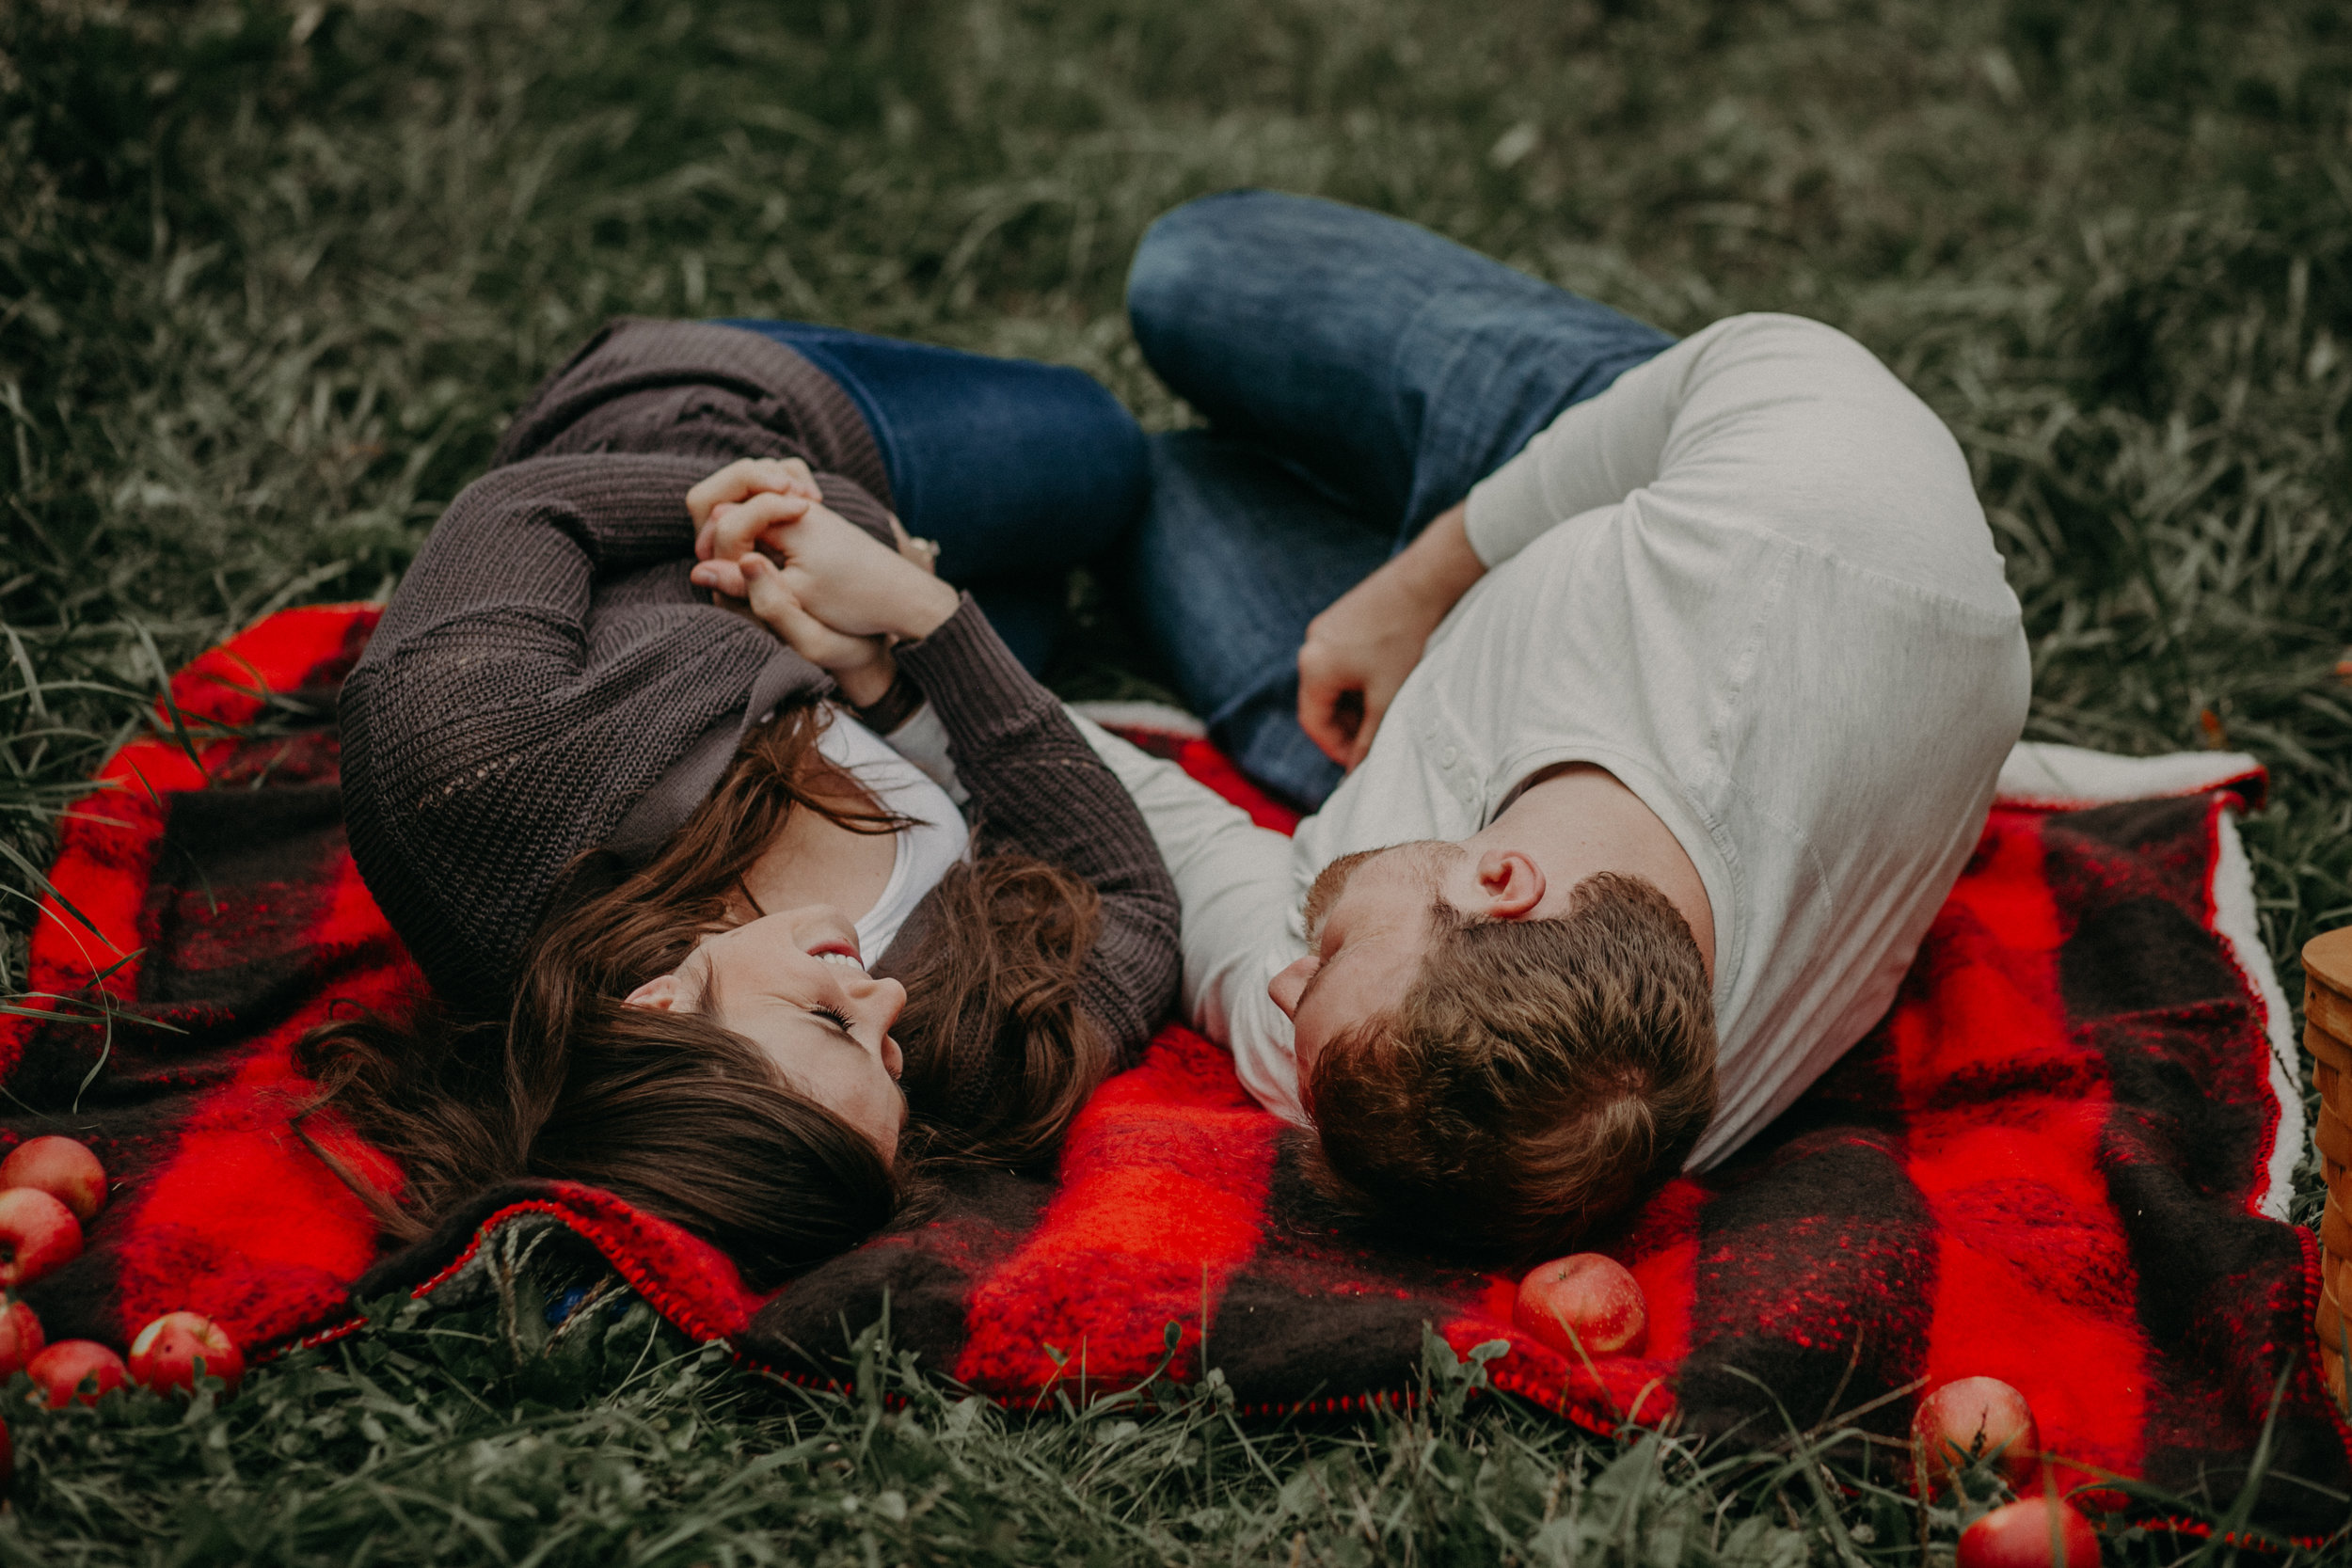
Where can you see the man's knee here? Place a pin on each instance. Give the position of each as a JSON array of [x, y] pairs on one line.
[[1189, 249]]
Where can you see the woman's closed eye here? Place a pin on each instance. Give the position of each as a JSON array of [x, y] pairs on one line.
[[836, 1016]]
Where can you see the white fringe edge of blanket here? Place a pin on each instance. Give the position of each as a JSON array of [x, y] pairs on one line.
[[2234, 920], [2041, 774]]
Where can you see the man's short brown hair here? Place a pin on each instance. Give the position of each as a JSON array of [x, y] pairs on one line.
[[1538, 1076]]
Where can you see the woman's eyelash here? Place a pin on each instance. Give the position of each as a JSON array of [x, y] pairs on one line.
[[834, 1016]]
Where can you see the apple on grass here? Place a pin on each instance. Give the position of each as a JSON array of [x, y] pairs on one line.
[[1583, 1304], [21, 1337], [36, 1233], [63, 1168], [75, 1370], [2035, 1532], [1974, 1421], [179, 1347]]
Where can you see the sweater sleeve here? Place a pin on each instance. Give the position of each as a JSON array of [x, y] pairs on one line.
[[1038, 788], [498, 725]]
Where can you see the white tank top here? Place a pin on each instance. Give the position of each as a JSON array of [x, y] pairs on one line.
[[934, 841]]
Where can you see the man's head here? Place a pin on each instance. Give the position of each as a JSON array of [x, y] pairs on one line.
[[1478, 1074]]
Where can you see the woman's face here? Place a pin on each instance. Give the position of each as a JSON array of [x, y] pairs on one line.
[[793, 984]]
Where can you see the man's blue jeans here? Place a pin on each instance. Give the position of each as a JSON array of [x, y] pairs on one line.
[[1358, 375], [1018, 471]]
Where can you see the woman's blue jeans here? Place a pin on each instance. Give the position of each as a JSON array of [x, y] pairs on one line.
[[1358, 375], [1018, 471]]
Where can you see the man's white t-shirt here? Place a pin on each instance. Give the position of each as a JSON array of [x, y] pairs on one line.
[[1750, 580]]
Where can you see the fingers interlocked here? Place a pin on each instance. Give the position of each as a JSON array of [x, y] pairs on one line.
[[774, 594], [733, 507]]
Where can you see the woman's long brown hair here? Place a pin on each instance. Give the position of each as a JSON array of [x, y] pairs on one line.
[[688, 1120]]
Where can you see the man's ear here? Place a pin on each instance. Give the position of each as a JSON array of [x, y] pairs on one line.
[[1510, 885], [661, 993]]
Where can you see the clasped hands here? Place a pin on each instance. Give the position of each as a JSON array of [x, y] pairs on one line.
[[836, 594], [840, 597]]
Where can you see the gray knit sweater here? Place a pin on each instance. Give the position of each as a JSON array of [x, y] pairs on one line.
[[547, 681]]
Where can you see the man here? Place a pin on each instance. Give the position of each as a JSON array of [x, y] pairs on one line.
[[1670, 682]]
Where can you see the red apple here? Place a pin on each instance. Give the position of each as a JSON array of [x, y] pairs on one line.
[[1583, 1304], [21, 1339], [36, 1233], [2037, 1532], [179, 1347], [63, 1169], [75, 1370], [1972, 1420]]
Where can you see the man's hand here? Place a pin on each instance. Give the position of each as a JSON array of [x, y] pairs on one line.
[[1359, 651], [1356, 654]]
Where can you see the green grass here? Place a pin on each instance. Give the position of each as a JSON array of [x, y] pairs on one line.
[[271, 276], [422, 1441]]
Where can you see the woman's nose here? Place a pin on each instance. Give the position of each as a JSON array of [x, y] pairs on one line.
[[884, 999], [888, 999]]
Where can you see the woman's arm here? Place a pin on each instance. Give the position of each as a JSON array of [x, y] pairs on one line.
[[498, 724], [1038, 788]]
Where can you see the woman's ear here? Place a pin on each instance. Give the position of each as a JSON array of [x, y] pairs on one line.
[[661, 993]]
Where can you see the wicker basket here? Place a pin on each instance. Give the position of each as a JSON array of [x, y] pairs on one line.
[[2328, 1036]]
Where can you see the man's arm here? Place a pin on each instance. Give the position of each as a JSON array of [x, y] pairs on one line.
[[1761, 422], [1234, 885], [1690, 424], [1359, 651]]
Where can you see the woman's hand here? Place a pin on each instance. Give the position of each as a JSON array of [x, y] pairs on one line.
[[861, 666], [723, 531], [831, 568], [923, 552], [720, 530]]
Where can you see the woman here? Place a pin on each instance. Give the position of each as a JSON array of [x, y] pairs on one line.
[[699, 935]]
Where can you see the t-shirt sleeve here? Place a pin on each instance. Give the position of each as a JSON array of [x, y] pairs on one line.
[[1234, 884], [1595, 454], [1766, 422]]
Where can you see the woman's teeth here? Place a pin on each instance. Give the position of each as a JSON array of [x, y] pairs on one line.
[[843, 959]]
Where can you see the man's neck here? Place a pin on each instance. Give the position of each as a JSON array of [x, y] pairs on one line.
[[1577, 819]]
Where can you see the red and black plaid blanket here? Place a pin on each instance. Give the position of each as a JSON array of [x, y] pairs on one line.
[[2053, 1163]]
